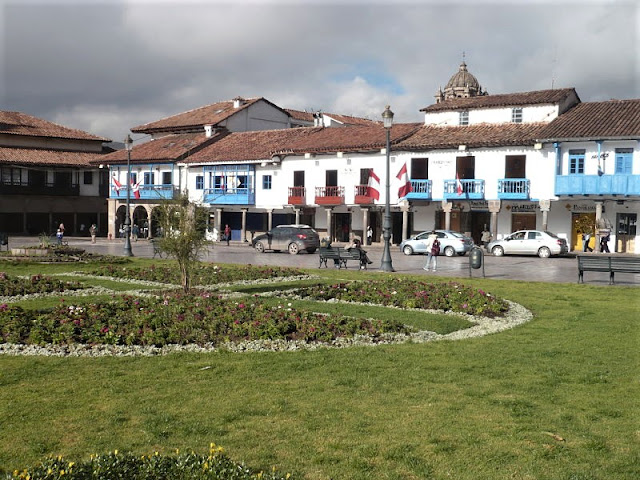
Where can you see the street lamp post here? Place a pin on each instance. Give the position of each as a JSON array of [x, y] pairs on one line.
[[386, 265], [128, 143]]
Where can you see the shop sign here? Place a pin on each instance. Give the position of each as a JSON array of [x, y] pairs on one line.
[[478, 205], [524, 207], [581, 207]]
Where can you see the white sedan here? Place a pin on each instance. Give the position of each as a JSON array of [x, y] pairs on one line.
[[529, 242], [451, 243]]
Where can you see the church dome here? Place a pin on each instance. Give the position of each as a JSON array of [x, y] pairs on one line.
[[462, 78]]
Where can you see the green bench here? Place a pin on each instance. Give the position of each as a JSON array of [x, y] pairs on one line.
[[610, 264], [342, 255]]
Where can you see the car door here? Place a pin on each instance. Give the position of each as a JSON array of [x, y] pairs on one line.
[[514, 244], [280, 238], [419, 245], [532, 242]]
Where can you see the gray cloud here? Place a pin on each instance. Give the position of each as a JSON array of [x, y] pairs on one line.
[[106, 67]]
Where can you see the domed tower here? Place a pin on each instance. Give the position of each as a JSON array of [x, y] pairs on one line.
[[461, 85]]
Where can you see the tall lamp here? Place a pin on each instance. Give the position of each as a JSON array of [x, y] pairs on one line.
[[386, 265], [128, 143]]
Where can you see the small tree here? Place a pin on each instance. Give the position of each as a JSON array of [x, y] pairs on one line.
[[183, 225]]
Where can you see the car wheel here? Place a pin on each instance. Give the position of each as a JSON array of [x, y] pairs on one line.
[[544, 252], [449, 251], [407, 250], [293, 248], [259, 246], [497, 251]]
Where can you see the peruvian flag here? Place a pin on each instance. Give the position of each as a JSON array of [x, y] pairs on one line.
[[403, 176], [135, 188], [374, 181], [458, 184], [116, 184]]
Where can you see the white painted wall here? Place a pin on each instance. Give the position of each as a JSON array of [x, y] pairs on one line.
[[531, 113], [259, 116]]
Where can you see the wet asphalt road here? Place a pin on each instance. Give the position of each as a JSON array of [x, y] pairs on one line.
[[555, 269]]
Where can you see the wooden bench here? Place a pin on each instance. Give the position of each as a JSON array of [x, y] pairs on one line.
[[607, 263], [340, 256], [156, 248]]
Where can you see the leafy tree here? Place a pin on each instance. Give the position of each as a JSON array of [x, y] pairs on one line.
[[183, 225]]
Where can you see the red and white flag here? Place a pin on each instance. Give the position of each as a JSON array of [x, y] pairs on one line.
[[135, 188], [374, 182], [116, 184], [458, 184], [403, 176]]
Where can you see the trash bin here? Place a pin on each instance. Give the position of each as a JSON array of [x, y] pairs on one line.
[[476, 256]]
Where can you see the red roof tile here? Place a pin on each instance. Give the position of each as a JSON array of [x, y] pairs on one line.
[[166, 149], [17, 123], [261, 145], [474, 136], [56, 158], [503, 100], [212, 114], [597, 120]]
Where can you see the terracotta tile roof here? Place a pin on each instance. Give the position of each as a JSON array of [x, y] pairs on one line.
[[17, 123], [473, 136], [503, 100], [50, 158], [596, 120], [208, 115], [166, 149], [261, 145], [300, 115], [349, 120]]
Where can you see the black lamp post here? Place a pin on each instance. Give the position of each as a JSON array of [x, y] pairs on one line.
[[386, 266], [128, 143]]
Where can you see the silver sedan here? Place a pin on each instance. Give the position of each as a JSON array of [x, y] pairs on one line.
[[529, 242], [451, 243]]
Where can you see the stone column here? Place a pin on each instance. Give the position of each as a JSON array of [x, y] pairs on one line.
[[545, 206], [297, 212], [328, 212], [218, 223], [112, 208], [365, 225], [494, 209], [405, 220], [447, 207], [597, 225], [269, 218], [243, 233]]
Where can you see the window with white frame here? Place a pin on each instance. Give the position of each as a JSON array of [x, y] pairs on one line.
[[166, 178], [464, 118], [200, 182], [149, 178], [266, 182], [516, 115]]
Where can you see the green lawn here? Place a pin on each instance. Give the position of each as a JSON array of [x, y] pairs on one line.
[[557, 398]]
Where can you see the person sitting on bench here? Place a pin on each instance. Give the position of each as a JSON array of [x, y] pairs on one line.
[[357, 244]]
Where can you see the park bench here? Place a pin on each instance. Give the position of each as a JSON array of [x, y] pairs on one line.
[[4, 240], [156, 248], [342, 255], [611, 264]]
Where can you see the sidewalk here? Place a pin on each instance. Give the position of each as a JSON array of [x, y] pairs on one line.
[[527, 268]]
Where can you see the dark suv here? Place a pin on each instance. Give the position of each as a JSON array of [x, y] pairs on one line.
[[292, 238]]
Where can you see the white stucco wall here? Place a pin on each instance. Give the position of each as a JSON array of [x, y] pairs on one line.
[[259, 116]]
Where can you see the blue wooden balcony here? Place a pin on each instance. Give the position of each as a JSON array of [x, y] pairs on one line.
[[147, 192], [420, 190], [229, 196], [513, 189], [598, 185], [471, 190]]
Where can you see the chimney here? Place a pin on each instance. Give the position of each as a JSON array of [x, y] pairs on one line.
[[238, 102], [208, 130]]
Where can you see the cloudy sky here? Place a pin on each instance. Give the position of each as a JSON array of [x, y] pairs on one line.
[[106, 66]]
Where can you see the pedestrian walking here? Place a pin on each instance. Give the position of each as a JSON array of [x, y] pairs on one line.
[[369, 235], [604, 243], [433, 250], [586, 237], [227, 233], [93, 231]]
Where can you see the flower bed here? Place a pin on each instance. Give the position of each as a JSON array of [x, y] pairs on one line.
[[404, 293], [214, 466], [13, 286], [179, 319], [203, 275]]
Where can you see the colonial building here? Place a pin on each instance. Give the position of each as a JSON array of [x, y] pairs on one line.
[[47, 177]]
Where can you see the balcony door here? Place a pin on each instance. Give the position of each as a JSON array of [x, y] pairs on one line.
[[514, 166]]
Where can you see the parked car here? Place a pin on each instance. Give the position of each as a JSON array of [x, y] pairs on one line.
[[293, 238], [450, 243], [529, 242]]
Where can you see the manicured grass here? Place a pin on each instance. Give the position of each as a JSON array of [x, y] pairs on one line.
[[553, 399]]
